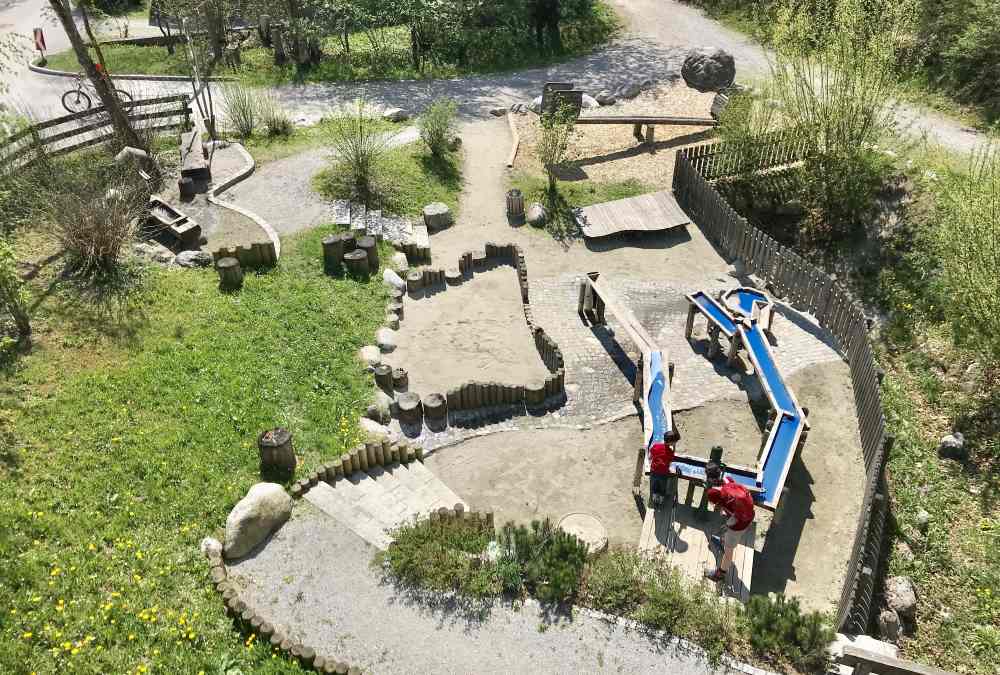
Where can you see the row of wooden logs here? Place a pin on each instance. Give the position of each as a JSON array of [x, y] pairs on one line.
[[371, 455], [358, 255]]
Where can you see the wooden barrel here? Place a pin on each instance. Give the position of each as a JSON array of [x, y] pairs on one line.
[[515, 206]]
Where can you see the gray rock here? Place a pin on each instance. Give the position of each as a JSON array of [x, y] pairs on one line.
[[370, 356], [923, 520], [590, 103], [211, 547], [904, 551], [393, 280], [395, 115], [164, 257], [498, 112], [373, 431], [194, 259], [392, 320], [400, 263], [536, 215], [628, 91], [709, 71], [606, 98], [437, 216], [901, 597], [888, 625], [952, 446], [970, 381], [536, 105], [379, 410], [385, 338], [265, 508]]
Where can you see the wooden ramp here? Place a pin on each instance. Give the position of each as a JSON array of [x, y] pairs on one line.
[[675, 533], [645, 213]]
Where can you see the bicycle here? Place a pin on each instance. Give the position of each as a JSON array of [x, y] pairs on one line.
[[77, 100]]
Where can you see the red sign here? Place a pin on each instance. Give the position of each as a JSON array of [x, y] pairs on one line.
[[39, 40]]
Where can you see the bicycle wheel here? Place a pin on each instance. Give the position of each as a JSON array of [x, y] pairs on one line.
[[76, 100], [125, 98]]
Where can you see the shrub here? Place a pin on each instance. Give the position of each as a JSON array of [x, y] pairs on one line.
[[779, 627], [614, 582], [437, 126], [273, 116], [553, 144], [241, 109], [552, 560], [12, 296], [360, 148], [968, 244]]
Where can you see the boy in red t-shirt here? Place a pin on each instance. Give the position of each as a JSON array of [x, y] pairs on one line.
[[661, 477], [736, 503]]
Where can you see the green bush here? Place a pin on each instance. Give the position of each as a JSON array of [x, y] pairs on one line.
[[614, 582], [779, 627], [273, 116], [241, 109], [437, 126], [551, 560], [360, 148]]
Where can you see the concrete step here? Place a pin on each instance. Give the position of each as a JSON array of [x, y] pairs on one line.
[[338, 505], [435, 486], [420, 492], [360, 491]]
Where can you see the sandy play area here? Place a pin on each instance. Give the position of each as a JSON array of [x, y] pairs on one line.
[[610, 152], [472, 332]]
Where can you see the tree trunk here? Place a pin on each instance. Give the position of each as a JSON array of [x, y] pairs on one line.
[[280, 58], [21, 321], [415, 47], [102, 83]]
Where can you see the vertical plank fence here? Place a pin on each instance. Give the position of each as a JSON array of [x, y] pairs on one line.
[[809, 289]]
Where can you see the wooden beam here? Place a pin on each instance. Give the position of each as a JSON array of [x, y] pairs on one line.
[[647, 120], [885, 665]]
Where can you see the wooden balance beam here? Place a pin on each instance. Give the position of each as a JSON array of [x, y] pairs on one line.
[[650, 122]]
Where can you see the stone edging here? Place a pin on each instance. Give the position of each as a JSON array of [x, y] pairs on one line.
[[42, 70], [472, 402], [249, 165], [360, 458]]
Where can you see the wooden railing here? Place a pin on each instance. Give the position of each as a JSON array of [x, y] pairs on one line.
[[809, 289], [75, 131], [719, 160]]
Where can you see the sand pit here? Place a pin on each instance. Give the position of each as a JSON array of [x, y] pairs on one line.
[[472, 332], [610, 153]]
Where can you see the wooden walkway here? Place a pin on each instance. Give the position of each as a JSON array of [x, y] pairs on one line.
[[675, 533], [645, 213]]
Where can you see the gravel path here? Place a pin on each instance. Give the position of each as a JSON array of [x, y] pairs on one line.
[[314, 577], [660, 32]]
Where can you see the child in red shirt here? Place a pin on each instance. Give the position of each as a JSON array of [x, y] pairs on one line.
[[661, 477], [736, 503]]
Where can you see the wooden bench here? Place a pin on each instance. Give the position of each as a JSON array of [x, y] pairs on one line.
[[650, 123], [865, 662]]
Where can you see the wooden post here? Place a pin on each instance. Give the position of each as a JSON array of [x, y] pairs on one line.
[[637, 390], [650, 134], [357, 263], [276, 451], [230, 274], [368, 245], [689, 327], [383, 377], [400, 380], [333, 253]]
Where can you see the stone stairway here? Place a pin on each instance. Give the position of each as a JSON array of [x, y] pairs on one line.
[[372, 504]]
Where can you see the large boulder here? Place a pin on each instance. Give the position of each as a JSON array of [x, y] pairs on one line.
[[193, 259], [265, 508], [901, 597], [536, 215], [709, 70]]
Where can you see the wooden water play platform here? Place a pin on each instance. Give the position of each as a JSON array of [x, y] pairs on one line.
[[676, 533], [645, 213]]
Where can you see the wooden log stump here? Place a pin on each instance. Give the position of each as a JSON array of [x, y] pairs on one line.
[[479, 261], [383, 377], [230, 274], [356, 262], [370, 247], [276, 451], [435, 407], [534, 394], [333, 253], [414, 281], [392, 320], [453, 277], [400, 379], [410, 408]]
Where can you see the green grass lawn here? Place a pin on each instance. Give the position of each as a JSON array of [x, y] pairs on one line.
[[387, 57], [128, 434], [411, 177]]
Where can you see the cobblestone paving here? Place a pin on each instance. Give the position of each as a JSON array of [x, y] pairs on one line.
[[600, 369]]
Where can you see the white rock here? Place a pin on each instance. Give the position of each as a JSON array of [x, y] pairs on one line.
[[370, 356], [385, 338], [265, 508], [952, 446], [194, 259], [536, 215], [536, 105], [400, 263], [590, 103], [373, 431], [393, 280], [901, 597], [395, 115], [211, 547]]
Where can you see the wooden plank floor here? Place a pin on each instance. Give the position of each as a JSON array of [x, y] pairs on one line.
[[645, 213], [675, 533]]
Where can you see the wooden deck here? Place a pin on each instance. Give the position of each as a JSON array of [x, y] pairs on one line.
[[645, 213], [675, 533]]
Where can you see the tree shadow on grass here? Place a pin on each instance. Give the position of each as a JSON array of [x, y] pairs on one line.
[[981, 426], [444, 168]]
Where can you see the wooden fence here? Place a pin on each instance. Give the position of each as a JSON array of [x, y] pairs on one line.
[[809, 289], [719, 160], [75, 131]]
